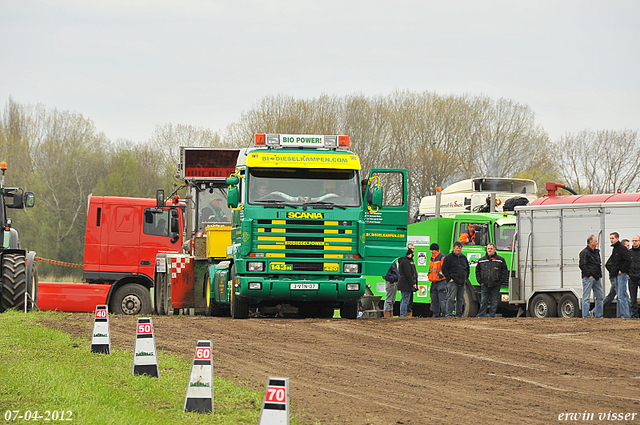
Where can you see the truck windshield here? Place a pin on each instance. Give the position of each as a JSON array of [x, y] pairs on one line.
[[212, 207], [297, 186], [504, 236]]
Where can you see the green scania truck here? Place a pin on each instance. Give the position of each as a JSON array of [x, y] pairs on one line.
[[301, 232]]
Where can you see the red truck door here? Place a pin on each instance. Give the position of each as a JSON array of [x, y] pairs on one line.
[[123, 238]]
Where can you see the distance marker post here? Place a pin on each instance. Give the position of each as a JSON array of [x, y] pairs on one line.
[[275, 408], [145, 358], [199, 396], [100, 338]]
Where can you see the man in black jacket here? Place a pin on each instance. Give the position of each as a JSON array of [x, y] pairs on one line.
[[455, 268], [407, 282], [618, 265], [634, 276], [591, 269], [491, 273]]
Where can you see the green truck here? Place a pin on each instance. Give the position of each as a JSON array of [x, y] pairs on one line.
[[300, 234], [490, 228]]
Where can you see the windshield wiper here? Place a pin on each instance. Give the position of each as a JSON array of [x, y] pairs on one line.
[[275, 203], [328, 205]]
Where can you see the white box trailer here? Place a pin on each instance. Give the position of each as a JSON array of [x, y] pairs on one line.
[[549, 239]]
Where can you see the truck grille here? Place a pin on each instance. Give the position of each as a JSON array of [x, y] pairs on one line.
[[288, 243]]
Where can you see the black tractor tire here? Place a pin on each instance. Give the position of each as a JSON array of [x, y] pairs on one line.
[[349, 311], [131, 299], [542, 306], [160, 294], [471, 306], [568, 307], [14, 282], [239, 309]]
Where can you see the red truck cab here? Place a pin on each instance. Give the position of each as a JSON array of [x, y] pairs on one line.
[[122, 239]]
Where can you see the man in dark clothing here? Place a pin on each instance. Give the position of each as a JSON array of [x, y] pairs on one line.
[[407, 283], [634, 276], [591, 269], [618, 265], [491, 273], [391, 278], [455, 268]]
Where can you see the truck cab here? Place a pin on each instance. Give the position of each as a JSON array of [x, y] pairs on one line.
[[122, 239]]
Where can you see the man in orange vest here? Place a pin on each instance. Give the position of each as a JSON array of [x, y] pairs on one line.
[[438, 288], [468, 237]]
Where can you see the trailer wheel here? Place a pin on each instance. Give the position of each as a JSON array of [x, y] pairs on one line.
[[542, 305], [349, 311], [160, 294], [14, 280], [471, 306], [239, 309], [568, 306], [131, 299]]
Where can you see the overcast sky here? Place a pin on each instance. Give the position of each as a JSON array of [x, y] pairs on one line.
[[131, 65]]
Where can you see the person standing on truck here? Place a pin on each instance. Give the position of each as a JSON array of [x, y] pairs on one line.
[[438, 288], [591, 268], [468, 237], [618, 265], [491, 273], [634, 276], [455, 268], [407, 282], [390, 279]]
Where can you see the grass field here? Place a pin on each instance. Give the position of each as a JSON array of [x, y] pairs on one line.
[[48, 372]]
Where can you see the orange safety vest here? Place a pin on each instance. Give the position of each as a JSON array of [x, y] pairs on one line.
[[466, 236], [435, 265]]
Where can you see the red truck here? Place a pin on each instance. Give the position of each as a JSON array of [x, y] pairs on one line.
[[123, 237]]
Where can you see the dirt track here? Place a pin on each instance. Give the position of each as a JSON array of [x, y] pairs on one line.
[[417, 371]]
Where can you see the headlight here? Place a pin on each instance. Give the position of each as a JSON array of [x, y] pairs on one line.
[[255, 285], [351, 268], [353, 286], [255, 266]]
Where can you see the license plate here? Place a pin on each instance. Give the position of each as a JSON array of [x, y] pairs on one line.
[[303, 286], [505, 298]]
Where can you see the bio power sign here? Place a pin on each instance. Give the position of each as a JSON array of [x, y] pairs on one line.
[[301, 141]]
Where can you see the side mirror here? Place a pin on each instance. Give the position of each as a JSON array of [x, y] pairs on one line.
[[232, 180], [174, 225], [29, 199], [18, 199], [233, 195], [376, 198], [159, 198]]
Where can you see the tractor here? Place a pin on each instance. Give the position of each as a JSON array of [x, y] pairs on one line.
[[19, 272]]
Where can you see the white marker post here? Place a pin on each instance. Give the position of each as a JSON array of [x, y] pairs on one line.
[[275, 408], [100, 339], [145, 359], [199, 396]]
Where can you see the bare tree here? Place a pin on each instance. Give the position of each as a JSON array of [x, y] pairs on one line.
[[601, 161]]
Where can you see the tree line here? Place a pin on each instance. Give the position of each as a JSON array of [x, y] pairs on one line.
[[439, 139]]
